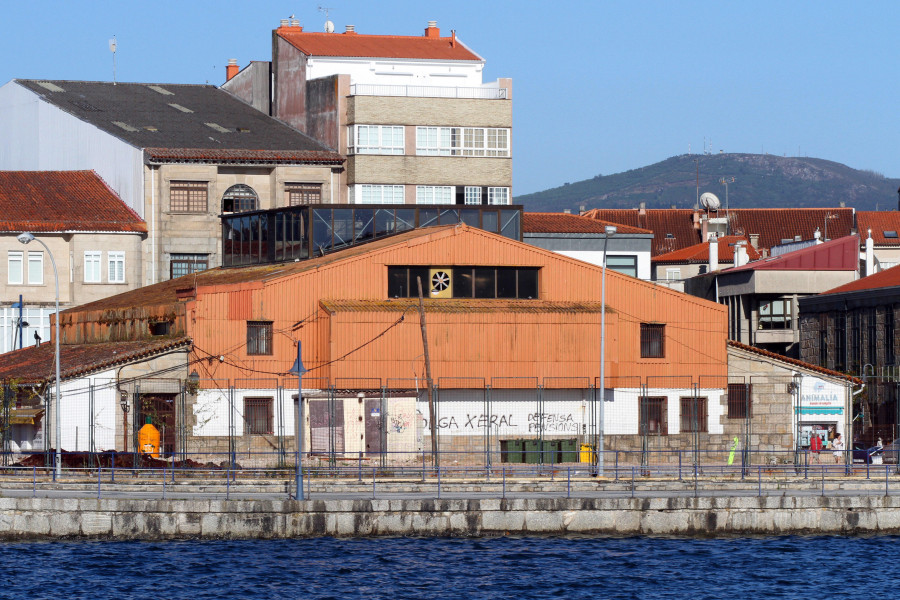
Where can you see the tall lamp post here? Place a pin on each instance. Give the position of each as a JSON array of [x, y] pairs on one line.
[[610, 230], [25, 238], [298, 369], [725, 181]]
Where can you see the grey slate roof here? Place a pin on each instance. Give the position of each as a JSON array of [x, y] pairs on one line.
[[178, 122]]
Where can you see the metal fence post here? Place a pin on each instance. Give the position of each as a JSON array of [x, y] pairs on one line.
[[112, 470], [439, 482], [632, 482], [359, 464], [373, 482], [568, 482], [99, 474], [34, 481], [823, 480], [759, 481], [504, 483], [886, 490]]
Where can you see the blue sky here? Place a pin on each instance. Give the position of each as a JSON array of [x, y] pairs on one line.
[[599, 87]]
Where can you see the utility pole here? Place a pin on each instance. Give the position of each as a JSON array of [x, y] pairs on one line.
[[434, 454]]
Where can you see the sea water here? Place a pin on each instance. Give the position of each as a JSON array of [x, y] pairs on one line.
[[506, 567]]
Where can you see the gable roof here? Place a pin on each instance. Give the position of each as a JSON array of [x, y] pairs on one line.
[[57, 201], [538, 222], [794, 362], [836, 255], [772, 224], [880, 222], [37, 364], [699, 253], [376, 46], [164, 119]]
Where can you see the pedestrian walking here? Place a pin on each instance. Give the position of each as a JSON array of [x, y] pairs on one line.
[[815, 446], [838, 447]]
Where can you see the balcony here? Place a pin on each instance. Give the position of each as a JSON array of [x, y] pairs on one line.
[[427, 91], [302, 232]]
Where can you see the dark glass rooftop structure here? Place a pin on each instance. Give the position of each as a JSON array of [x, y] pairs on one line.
[[301, 232]]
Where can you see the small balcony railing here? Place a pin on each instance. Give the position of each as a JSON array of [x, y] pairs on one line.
[[427, 91]]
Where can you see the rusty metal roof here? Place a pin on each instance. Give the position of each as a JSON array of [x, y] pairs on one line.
[[795, 362], [460, 305], [539, 222], [36, 365]]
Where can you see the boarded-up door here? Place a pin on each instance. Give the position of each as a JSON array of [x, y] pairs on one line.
[[326, 424]]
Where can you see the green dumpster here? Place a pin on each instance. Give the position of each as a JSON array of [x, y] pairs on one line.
[[511, 451], [550, 452], [568, 450], [533, 452]]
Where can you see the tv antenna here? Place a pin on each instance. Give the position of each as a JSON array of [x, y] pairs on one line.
[[329, 26], [113, 46]]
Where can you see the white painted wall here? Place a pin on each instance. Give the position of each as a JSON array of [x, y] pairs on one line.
[[622, 415], [212, 408], [37, 136], [75, 412], [451, 73], [595, 257]]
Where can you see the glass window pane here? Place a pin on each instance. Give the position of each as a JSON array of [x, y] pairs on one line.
[[484, 283], [506, 283], [528, 283], [397, 282], [462, 282]]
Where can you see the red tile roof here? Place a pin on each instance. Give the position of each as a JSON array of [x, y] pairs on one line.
[[879, 222], [836, 255], [882, 279], [161, 155], [772, 224], [377, 46], [36, 364], [794, 362], [699, 253], [537, 222], [45, 201]]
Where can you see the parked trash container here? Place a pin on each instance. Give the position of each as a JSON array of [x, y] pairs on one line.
[[511, 451], [550, 452], [587, 454], [568, 451], [532, 452]]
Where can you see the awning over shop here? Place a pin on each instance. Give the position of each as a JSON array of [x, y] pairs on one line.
[[820, 410], [25, 416]]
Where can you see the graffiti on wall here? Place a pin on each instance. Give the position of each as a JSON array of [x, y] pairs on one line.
[[507, 423], [400, 422]]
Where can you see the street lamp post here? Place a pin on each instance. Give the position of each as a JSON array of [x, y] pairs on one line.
[[725, 181], [25, 238], [123, 402], [610, 230], [298, 369]]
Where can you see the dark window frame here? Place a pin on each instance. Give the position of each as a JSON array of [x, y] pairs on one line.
[[259, 338], [188, 263], [402, 282], [699, 415], [889, 354], [872, 336], [654, 415], [783, 320], [855, 341], [239, 198], [740, 401], [300, 194], [840, 341], [259, 415], [653, 340], [631, 269]]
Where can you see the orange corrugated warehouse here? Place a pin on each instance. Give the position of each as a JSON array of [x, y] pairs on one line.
[[339, 305]]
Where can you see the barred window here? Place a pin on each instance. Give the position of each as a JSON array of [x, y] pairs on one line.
[[297, 194], [653, 416], [188, 196], [258, 416], [259, 337], [739, 398], [693, 415], [653, 340]]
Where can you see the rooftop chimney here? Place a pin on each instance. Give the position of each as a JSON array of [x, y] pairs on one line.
[[754, 240], [351, 29], [432, 30], [295, 23], [231, 69], [285, 22], [642, 208], [842, 204], [713, 254], [870, 255]]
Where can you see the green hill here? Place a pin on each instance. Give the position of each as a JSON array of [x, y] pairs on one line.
[[760, 181]]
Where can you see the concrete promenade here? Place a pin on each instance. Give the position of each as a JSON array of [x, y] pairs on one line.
[[261, 509]]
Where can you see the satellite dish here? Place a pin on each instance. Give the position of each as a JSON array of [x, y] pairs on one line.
[[709, 201], [329, 27]]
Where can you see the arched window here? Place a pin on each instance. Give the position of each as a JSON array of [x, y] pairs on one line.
[[239, 198]]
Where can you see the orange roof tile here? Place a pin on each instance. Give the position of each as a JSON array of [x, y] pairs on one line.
[[880, 222], [882, 279], [380, 46], [699, 253], [538, 222], [795, 362], [44, 201], [674, 228]]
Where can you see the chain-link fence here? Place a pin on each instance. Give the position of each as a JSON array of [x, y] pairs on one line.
[[647, 423]]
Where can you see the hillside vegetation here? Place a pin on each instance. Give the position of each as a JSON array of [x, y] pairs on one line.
[[761, 181]]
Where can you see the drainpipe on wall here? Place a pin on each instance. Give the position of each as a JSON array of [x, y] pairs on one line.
[[152, 225]]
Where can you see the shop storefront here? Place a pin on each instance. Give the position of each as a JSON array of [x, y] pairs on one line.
[[822, 412]]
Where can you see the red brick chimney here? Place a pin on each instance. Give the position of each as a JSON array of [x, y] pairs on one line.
[[432, 30], [231, 69]]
